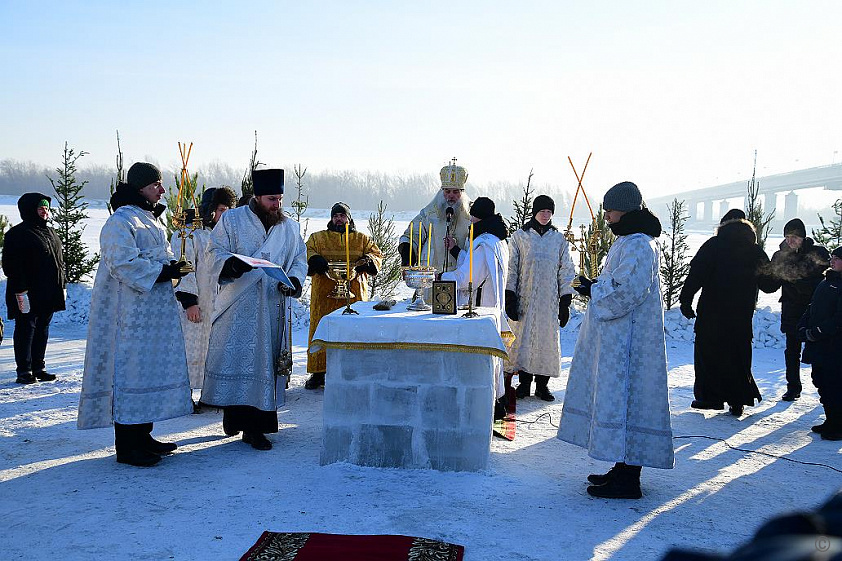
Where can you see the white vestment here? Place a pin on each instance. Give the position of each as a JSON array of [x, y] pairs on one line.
[[617, 405], [247, 331], [490, 267], [202, 285], [540, 273], [135, 368]]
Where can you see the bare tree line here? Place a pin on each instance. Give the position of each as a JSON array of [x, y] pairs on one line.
[[363, 190]]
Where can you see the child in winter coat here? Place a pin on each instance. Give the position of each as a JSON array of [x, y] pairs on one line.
[[821, 328]]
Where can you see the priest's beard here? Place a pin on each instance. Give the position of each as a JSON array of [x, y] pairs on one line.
[[268, 217]]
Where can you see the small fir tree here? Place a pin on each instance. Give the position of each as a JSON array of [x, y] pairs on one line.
[[68, 217], [383, 234], [675, 263], [754, 209], [247, 185], [830, 233], [121, 176], [299, 204], [523, 207], [4, 225]]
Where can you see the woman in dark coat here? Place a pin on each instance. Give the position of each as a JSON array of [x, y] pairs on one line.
[[728, 269], [34, 265], [821, 328]]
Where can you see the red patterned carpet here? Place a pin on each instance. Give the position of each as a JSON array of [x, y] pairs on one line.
[[274, 546]]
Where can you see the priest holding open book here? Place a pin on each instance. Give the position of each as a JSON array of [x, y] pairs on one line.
[[247, 334]]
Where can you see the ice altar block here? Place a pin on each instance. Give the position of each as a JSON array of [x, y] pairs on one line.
[[409, 389]]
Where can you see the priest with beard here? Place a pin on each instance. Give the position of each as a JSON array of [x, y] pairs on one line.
[[448, 215], [323, 247], [247, 332]]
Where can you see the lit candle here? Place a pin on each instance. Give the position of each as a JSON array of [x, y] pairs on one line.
[[471, 257], [347, 253], [429, 244], [410, 244], [419, 243]]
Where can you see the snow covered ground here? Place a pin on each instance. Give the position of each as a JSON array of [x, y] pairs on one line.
[[63, 494]]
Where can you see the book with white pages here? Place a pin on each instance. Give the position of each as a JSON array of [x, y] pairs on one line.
[[272, 269]]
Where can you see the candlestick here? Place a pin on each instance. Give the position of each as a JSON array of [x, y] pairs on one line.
[[419, 242], [429, 244], [410, 244], [471, 257]]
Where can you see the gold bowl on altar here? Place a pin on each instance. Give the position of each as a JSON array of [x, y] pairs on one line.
[[419, 278], [337, 271]]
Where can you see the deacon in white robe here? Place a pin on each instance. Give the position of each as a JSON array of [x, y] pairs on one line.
[[135, 369], [617, 402], [197, 291], [248, 327], [490, 268]]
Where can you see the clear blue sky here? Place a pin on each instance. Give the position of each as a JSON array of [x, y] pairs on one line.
[[671, 95]]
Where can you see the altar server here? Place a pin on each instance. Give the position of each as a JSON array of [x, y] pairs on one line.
[[617, 406], [247, 333], [135, 369], [538, 297]]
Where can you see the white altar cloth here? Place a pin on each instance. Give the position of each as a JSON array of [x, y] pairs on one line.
[[409, 389]]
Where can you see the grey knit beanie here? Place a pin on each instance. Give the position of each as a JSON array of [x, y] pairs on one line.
[[142, 174], [624, 197]]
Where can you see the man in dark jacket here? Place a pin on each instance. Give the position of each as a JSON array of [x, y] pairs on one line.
[[728, 269], [798, 268], [34, 266]]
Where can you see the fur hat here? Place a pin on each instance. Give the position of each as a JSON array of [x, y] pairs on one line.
[[482, 208], [733, 214], [795, 226], [268, 182], [142, 174], [340, 208], [542, 202], [624, 197]]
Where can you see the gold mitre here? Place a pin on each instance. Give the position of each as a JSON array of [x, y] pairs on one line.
[[453, 176]]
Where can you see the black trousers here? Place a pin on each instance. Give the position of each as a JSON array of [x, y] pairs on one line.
[[828, 382], [792, 359], [131, 437], [540, 381], [30, 339], [249, 419]]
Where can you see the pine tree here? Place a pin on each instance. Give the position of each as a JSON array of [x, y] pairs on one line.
[[523, 207], [121, 176], [68, 216], [754, 209], [383, 234], [247, 184], [604, 239], [830, 234], [674, 263], [299, 204]]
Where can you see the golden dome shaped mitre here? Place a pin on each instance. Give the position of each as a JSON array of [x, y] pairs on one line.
[[453, 176]]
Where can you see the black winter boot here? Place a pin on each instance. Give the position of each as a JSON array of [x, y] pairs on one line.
[[44, 376], [541, 389], [602, 479], [158, 447], [257, 440], [139, 458], [315, 381], [523, 389], [25, 378], [625, 484]]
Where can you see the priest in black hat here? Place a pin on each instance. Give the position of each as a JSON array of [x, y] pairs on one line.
[[248, 327]]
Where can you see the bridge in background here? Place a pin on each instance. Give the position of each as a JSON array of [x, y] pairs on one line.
[[709, 204]]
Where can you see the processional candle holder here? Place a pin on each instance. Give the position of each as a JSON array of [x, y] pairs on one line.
[[586, 245], [419, 278], [338, 272], [470, 313], [183, 217]]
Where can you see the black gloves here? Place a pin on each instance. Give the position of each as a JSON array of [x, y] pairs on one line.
[[687, 310], [365, 265], [171, 271], [186, 299], [294, 292], [564, 309], [511, 305], [317, 265], [584, 287], [234, 268], [403, 249]]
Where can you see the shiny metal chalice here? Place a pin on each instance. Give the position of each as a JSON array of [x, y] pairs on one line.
[[419, 278]]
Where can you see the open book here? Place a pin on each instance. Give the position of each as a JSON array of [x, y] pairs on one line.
[[272, 269]]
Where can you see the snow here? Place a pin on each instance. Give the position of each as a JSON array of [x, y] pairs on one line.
[[61, 491]]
